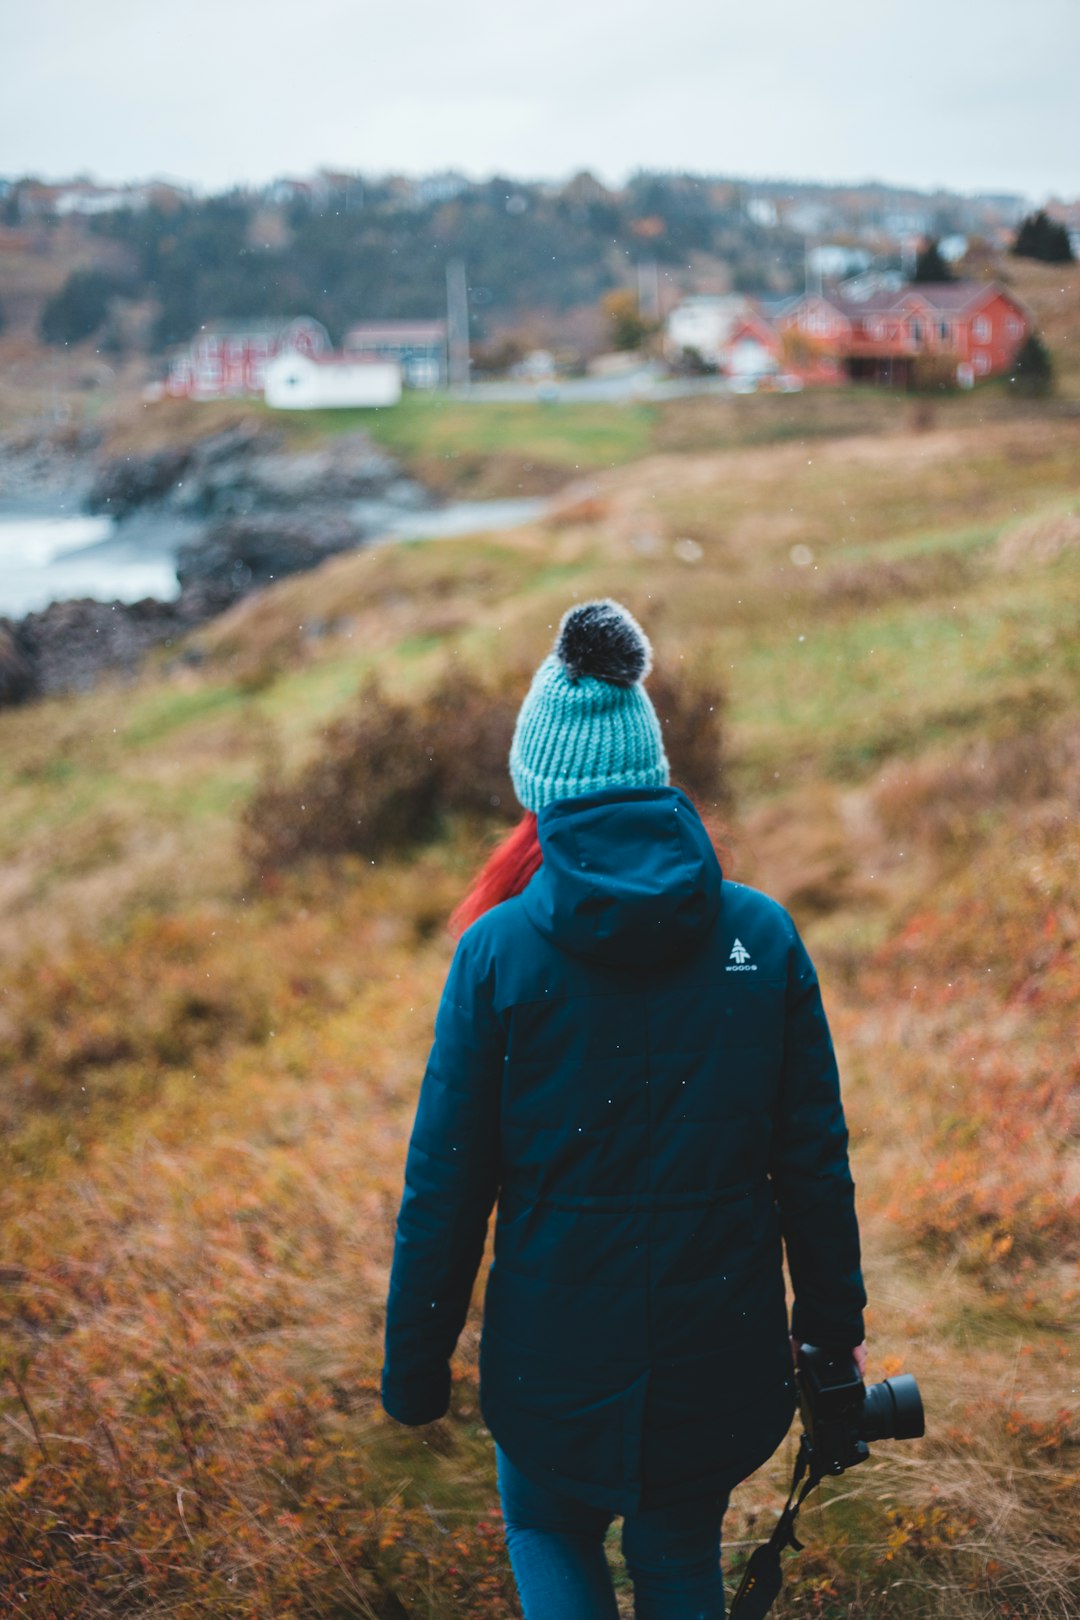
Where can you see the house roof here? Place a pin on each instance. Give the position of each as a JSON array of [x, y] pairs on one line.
[[952, 297], [870, 284], [939, 297], [773, 308], [341, 359], [725, 301], [395, 332], [878, 303], [934, 299], [752, 321], [225, 326]]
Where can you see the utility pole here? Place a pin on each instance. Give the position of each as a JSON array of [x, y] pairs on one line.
[[648, 283], [811, 275], [457, 323]]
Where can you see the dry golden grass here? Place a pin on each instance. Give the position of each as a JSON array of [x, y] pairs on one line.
[[1052, 293], [207, 1084]]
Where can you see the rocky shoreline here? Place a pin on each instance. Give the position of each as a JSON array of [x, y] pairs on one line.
[[260, 512]]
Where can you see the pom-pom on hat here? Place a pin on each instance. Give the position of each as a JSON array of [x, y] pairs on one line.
[[587, 722]]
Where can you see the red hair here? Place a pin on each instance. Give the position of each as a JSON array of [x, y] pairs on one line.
[[512, 863], [505, 873]]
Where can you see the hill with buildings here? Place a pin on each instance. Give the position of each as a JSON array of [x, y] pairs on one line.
[[343, 248]]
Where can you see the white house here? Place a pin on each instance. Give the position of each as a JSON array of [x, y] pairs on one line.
[[703, 324], [309, 382]]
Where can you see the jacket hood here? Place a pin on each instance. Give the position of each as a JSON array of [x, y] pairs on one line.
[[630, 877]]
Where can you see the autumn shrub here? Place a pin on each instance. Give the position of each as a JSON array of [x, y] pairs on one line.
[[1039, 538], [470, 727], [97, 1017], [183, 1486], [995, 1190], [388, 770], [945, 799], [370, 789], [866, 585], [983, 984], [934, 373], [189, 1342], [691, 705]]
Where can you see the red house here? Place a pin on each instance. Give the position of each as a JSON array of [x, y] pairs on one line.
[[228, 359], [974, 327], [753, 348]]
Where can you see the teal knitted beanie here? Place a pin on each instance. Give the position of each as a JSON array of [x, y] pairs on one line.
[[587, 722]]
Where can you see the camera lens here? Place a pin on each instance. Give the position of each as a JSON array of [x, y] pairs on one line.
[[893, 1410]]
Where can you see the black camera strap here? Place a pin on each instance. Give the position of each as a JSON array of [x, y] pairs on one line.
[[763, 1577]]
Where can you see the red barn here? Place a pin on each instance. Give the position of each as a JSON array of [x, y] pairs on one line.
[[228, 359], [973, 327]]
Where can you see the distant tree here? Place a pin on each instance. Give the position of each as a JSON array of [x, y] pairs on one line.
[[497, 357], [382, 254], [1032, 371], [627, 326], [1040, 237], [929, 264], [79, 309], [690, 362], [799, 351]]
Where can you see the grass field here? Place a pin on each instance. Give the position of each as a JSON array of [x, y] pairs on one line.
[[207, 1079]]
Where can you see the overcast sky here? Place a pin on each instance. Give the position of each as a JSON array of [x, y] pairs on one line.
[[974, 96]]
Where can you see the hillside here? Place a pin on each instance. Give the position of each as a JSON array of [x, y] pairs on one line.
[[540, 254], [209, 1064]]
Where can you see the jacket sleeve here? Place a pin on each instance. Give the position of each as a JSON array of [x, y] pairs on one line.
[[451, 1180], [810, 1175]]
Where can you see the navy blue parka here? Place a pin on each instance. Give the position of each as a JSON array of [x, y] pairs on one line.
[[631, 1058]]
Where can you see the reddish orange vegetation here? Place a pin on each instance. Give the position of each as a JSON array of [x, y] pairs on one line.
[[976, 992], [205, 1098], [192, 1338]]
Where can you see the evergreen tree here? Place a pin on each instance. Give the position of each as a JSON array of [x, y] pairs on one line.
[[1032, 371], [79, 309], [382, 253], [1040, 237], [929, 264]]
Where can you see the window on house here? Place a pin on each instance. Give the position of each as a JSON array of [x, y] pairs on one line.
[[980, 328], [982, 364], [916, 332], [1014, 327], [944, 331]]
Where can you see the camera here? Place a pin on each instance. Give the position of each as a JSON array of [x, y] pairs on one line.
[[841, 1414]]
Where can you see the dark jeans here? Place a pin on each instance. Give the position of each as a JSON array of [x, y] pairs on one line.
[[556, 1547]]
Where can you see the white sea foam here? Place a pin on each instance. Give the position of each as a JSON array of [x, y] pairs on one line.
[[52, 559]]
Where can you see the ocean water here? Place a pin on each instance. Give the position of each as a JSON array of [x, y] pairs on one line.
[[53, 558], [450, 522]]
